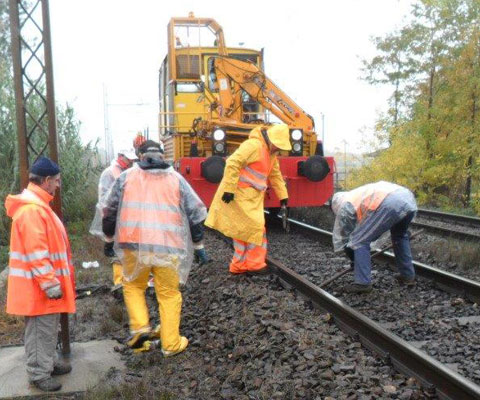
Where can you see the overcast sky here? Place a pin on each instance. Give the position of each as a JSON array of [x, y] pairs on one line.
[[312, 52]]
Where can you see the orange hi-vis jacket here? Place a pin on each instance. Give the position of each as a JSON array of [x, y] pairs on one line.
[[256, 173], [151, 220], [367, 198], [40, 256]]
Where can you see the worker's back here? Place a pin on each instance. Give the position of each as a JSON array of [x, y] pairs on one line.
[[149, 214]]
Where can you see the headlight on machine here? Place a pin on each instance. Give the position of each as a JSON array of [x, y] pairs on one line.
[[296, 134], [219, 143], [218, 134], [296, 138], [219, 147]]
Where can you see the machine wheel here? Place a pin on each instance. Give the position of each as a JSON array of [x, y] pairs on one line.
[[315, 168], [212, 169]]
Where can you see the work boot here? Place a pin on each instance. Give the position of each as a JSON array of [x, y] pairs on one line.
[[61, 369], [136, 341], [402, 280], [357, 288], [183, 346], [47, 385]]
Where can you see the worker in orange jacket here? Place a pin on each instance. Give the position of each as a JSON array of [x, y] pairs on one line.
[[237, 208], [156, 219], [41, 275], [124, 161], [362, 215]]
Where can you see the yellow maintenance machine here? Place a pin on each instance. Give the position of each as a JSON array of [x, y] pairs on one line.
[[212, 96]]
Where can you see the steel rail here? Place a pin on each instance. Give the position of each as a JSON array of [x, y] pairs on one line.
[[446, 231], [446, 281], [422, 212], [404, 357]]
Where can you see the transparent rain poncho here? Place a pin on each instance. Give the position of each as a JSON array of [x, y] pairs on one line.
[[348, 231], [154, 211], [105, 183]]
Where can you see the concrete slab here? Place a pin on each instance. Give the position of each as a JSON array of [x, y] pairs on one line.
[[473, 319], [90, 362]]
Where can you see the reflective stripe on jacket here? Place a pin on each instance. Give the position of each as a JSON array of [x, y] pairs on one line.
[[151, 220], [256, 173], [40, 256], [243, 218]]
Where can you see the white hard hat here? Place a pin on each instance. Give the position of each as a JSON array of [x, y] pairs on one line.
[[128, 153]]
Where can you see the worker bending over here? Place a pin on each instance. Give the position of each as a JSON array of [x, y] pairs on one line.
[[41, 282], [237, 208], [124, 161], [155, 215], [365, 213]]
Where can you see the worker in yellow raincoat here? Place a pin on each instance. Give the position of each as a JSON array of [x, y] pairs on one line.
[[237, 208]]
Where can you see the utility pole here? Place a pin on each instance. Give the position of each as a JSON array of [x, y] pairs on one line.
[[344, 163], [323, 131], [106, 125], [36, 120]]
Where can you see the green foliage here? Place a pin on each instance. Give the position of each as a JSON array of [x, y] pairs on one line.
[[79, 162], [80, 169], [433, 127]]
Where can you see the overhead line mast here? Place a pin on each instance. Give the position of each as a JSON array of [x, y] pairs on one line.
[[35, 97]]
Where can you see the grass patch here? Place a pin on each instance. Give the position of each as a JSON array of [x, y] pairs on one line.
[[117, 312], [141, 389], [464, 254]]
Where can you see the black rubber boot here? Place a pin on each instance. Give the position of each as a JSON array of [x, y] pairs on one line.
[[357, 288]]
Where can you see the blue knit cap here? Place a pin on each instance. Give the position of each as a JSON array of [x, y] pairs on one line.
[[43, 166]]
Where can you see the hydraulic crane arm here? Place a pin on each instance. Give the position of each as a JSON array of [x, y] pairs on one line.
[[234, 75]]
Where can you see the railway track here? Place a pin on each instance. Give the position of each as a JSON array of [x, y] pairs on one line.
[[378, 336], [456, 226], [448, 217], [448, 225]]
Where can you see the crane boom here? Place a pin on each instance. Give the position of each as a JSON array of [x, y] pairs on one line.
[[234, 75]]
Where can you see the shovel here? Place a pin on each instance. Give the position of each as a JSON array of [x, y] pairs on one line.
[[346, 270]]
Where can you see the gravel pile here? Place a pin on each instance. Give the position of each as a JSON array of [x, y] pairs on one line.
[[442, 324], [252, 339]]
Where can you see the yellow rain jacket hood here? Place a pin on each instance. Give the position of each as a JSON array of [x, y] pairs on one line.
[[243, 218]]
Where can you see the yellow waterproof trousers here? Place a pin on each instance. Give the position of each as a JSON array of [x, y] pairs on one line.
[[248, 256], [117, 273], [169, 297]]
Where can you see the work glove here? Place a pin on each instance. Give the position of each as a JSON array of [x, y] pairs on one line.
[[54, 292], [284, 202], [108, 249], [227, 197], [350, 254]]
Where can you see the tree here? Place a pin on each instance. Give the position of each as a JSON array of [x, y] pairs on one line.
[[433, 62]]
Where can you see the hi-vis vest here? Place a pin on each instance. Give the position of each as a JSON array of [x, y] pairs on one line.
[[151, 220], [367, 199], [256, 174], [40, 256]]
